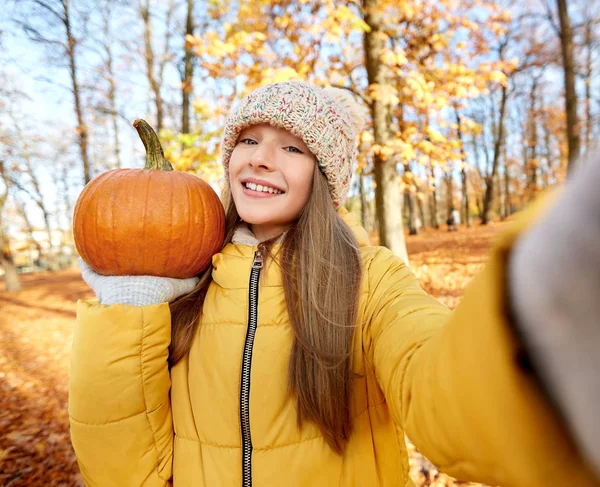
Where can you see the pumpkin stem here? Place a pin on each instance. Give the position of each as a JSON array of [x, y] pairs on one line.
[[155, 157]]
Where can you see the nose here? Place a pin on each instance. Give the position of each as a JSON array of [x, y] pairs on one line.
[[263, 157]]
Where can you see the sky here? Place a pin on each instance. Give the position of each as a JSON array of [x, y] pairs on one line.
[[48, 108]]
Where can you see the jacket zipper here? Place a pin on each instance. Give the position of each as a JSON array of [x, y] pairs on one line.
[[257, 265]]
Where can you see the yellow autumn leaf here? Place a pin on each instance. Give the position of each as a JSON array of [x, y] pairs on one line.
[[498, 77], [366, 136], [435, 136], [426, 147], [408, 177]]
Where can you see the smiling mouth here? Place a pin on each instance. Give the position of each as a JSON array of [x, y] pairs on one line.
[[261, 189]]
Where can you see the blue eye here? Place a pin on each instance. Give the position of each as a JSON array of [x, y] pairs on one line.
[[248, 141], [293, 149]]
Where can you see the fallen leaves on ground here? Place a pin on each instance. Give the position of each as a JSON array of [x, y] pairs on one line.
[[36, 330], [445, 262]]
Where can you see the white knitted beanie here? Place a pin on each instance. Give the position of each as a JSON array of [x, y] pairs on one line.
[[326, 119]]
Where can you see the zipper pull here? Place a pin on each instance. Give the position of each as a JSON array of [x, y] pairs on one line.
[[258, 260]]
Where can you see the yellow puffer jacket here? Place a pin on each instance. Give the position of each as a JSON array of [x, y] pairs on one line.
[[450, 381]]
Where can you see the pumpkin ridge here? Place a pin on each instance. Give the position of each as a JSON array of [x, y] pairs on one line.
[[98, 254], [92, 200], [125, 183], [84, 235], [115, 186], [203, 236], [136, 186], [181, 256], [102, 212], [189, 216], [109, 253], [170, 241], [143, 219], [113, 243], [78, 233]]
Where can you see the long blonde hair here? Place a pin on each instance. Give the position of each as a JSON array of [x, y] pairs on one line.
[[321, 271]]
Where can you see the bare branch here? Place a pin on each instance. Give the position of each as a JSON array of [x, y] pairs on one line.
[[52, 81], [165, 57], [47, 7], [34, 35], [362, 96], [17, 184], [550, 17]]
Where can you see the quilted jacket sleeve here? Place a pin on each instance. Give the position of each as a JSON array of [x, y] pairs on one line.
[[119, 407], [456, 383]]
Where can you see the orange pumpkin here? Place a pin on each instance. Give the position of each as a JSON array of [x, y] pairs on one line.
[[152, 221]]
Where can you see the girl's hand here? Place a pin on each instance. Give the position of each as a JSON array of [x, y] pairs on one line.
[[135, 290], [554, 276]]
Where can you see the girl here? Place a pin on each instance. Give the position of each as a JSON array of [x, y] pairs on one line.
[[304, 355]]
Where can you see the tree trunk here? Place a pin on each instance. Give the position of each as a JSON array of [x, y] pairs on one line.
[[490, 179], [37, 25], [508, 202], [29, 229], [82, 129], [532, 163], [486, 215], [12, 282], [149, 55], [188, 72], [387, 195], [52, 251], [422, 211], [435, 214], [549, 170], [409, 202], [363, 200], [113, 115], [112, 99], [112, 85], [501, 197], [588, 86], [566, 41], [478, 196], [388, 206], [450, 191], [466, 207], [35, 193], [465, 210], [503, 183]]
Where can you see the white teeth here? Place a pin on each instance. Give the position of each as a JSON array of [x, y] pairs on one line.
[[264, 189]]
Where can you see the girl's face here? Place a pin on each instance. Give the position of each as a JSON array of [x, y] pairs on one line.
[[270, 173]]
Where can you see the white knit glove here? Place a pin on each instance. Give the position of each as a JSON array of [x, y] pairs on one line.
[[135, 290], [554, 279]]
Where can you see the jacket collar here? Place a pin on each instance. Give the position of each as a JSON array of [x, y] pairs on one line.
[[232, 266], [244, 236]]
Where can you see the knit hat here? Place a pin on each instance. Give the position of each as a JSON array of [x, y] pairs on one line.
[[326, 119]]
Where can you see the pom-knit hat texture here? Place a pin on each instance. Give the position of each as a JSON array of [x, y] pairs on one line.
[[326, 119]]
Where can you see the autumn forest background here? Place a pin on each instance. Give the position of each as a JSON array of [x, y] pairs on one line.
[[472, 105]]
